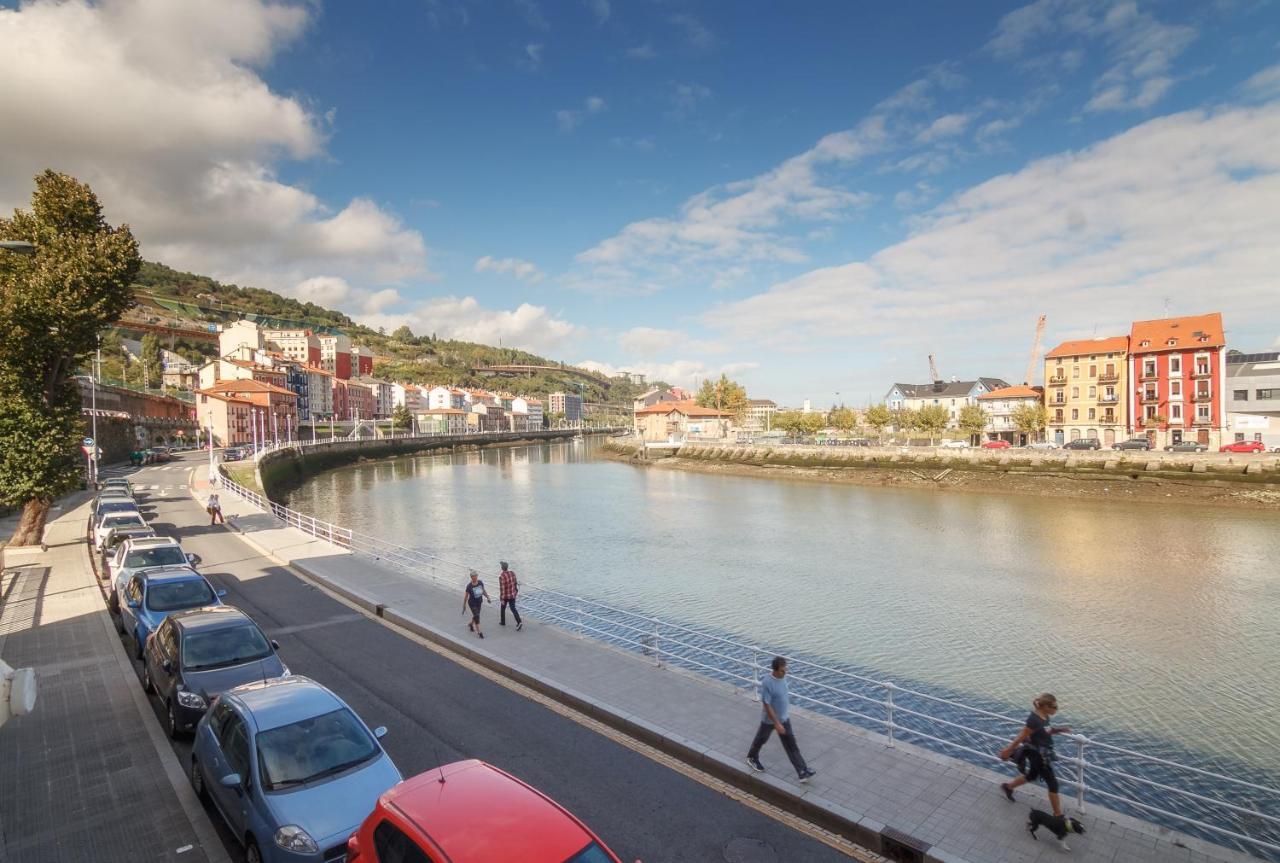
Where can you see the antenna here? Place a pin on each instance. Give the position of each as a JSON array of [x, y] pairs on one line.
[[439, 764]]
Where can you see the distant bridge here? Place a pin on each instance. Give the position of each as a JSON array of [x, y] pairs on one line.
[[518, 369], [161, 329]]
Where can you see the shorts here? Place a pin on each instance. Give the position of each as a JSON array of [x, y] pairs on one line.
[[1035, 766], [475, 611]]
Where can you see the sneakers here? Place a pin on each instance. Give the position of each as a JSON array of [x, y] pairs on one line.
[[806, 776], [481, 634], [1008, 792], [754, 764], [519, 626]]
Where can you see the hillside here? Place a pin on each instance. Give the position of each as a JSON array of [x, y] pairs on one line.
[[169, 297]]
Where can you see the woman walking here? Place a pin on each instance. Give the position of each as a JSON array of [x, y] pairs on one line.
[[1036, 742], [215, 510], [474, 595]]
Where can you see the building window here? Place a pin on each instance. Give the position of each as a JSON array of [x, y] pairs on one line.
[[1075, 371], [1057, 416], [1240, 395], [1075, 392], [1149, 368], [1202, 364], [1175, 389], [1093, 413], [1175, 412], [1268, 394], [1202, 412], [1093, 392], [1093, 371], [1108, 416], [1075, 413], [1175, 365]]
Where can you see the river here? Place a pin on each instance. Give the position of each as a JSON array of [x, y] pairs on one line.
[[1150, 623]]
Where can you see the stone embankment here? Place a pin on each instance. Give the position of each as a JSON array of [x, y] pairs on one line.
[[1216, 478]]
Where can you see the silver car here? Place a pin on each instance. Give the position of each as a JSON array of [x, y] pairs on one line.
[[136, 555]]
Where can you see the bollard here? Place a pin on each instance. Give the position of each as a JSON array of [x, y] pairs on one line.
[[1080, 742], [889, 687]]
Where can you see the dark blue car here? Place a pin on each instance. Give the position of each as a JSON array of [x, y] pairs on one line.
[[151, 596], [197, 654]]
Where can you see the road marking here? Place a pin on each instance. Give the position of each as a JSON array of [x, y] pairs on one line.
[[795, 822]]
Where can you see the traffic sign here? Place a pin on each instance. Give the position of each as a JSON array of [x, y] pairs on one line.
[[87, 442]]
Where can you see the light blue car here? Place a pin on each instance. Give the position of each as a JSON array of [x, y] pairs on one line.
[[291, 768], [153, 594]]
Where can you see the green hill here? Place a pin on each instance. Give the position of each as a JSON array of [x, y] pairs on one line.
[[175, 298]]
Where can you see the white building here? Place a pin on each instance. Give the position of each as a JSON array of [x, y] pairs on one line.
[[335, 355], [383, 399], [299, 345], [951, 395], [530, 409], [1253, 407], [759, 415], [320, 392], [407, 396], [999, 406], [241, 334], [445, 397]]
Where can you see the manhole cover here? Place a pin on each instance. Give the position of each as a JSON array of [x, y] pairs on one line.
[[741, 849]]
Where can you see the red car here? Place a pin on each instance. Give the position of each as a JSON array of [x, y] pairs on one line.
[[432, 817], [1244, 446], [996, 444]]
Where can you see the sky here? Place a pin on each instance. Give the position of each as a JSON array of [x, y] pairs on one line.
[[809, 197]]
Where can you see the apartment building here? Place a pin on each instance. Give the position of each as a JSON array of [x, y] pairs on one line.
[[759, 415], [1085, 385], [276, 406], [1177, 371], [446, 397], [566, 403], [1253, 406], [299, 345], [1002, 405], [952, 395], [227, 417], [531, 412], [335, 355]]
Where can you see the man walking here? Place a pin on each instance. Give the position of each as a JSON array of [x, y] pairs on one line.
[[474, 596], [508, 587], [777, 717], [215, 510]]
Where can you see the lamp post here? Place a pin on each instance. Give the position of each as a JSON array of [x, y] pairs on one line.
[[210, 415]]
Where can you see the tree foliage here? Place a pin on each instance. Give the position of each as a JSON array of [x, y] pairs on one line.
[[972, 420], [1030, 418], [878, 417], [798, 423], [151, 362], [725, 395], [843, 418], [53, 304], [932, 420], [400, 417]]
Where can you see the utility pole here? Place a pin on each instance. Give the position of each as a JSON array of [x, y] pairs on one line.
[[93, 409], [212, 475]]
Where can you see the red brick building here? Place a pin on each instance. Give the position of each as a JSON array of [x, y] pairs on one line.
[[1177, 370]]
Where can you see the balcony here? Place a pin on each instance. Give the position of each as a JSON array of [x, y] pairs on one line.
[[1202, 396], [1109, 377], [1149, 375], [1104, 399], [1058, 381], [1202, 421], [1201, 372], [1150, 398]]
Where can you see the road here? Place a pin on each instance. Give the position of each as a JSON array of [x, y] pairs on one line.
[[438, 711]]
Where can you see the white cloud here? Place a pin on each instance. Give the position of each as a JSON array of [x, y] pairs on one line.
[[334, 293], [532, 14], [682, 373], [946, 126], [685, 98], [186, 147], [533, 51], [915, 196], [568, 119], [996, 129], [624, 143], [599, 8], [654, 341], [642, 52], [694, 31], [522, 270], [527, 326], [1185, 207], [1264, 84]]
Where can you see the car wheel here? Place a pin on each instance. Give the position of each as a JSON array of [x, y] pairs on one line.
[[197, 780], [251, 852], [171, 720], [147, 686]]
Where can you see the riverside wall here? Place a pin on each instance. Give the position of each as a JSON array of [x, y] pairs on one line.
[[284, 469]]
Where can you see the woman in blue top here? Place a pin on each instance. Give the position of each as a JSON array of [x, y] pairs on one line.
[[1036, 741], [474, 595]]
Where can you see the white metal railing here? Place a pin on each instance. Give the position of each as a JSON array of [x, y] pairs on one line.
[[1147, 785]]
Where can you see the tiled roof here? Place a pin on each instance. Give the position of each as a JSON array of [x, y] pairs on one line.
[[249, 386], [1100, 345], [688, 408], [940, 389], [1187, 331], [224, 397], [1015, 392]]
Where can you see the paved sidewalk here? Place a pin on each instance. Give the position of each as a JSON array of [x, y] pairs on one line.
[[87, 776], [952, 806]]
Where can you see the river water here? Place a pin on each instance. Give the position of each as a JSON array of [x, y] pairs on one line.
[[1152, 624]]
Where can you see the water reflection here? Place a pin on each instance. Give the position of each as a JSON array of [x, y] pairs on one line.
[[1155, 620]]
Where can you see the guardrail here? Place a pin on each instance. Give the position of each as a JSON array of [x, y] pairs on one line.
[[274, 445], [1214, 806]]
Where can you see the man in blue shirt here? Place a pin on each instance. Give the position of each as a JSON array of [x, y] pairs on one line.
[[777, 717]]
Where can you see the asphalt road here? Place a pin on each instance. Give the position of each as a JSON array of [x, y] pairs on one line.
[[437, 711]]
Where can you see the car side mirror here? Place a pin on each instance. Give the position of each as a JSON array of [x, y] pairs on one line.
[[167, 666], [380, 732], [231, 780], [275, 645], [193, 559], [133, 603], [220, 593]]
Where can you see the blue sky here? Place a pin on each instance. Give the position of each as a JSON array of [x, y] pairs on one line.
[[811, 197]]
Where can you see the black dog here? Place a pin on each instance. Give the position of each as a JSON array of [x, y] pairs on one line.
[[1058, 825]]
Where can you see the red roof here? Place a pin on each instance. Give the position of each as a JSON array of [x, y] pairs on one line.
[[1102, 345], [224, 397], [249, 386], [1197, 331], [1014, 392], [688, 408], [521, 823]]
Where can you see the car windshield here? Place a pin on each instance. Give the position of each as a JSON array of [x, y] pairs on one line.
[[230, 645], [593, 853], [124, 520], [121, 505], [167, 555], [172, 595], [313, 748]]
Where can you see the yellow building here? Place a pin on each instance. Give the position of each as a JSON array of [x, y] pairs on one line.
[[1084, 390]]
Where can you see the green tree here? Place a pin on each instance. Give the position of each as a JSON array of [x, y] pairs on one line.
[[878, 416], [1030, 418], [152, 363], [724, 395], [932, 420], [53, 304], [401, 418], [402, 334], [972, 421], [843, 418], [905, 420]]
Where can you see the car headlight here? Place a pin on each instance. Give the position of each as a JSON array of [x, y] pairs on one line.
[[190, 699], [291, 837]]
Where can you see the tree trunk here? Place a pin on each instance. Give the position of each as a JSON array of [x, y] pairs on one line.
[[31, 525]]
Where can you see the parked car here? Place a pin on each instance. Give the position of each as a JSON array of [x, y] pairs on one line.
[[137, 554], [1243, 446], [1043, 444], [291, 768], [1083, 443], [160, 453], [996, 444], [111, 495], [955, 444], [860, 441], [118, 482], [120, 533], [232, 454], [432, 814], [152, 595], [1138, 443], [198, 654], [1187, 446], [112, 520]]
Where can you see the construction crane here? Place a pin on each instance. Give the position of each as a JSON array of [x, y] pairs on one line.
[[1035, 353], [933, 370]]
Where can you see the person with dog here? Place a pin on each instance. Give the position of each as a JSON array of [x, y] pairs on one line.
[[776, 701], [508, 588], [475, 596], [1033, 750]]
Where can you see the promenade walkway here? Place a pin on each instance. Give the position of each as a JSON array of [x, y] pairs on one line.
[[865, 789], [88, 775]]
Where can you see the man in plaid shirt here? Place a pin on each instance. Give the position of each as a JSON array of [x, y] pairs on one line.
[[508, 587]]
